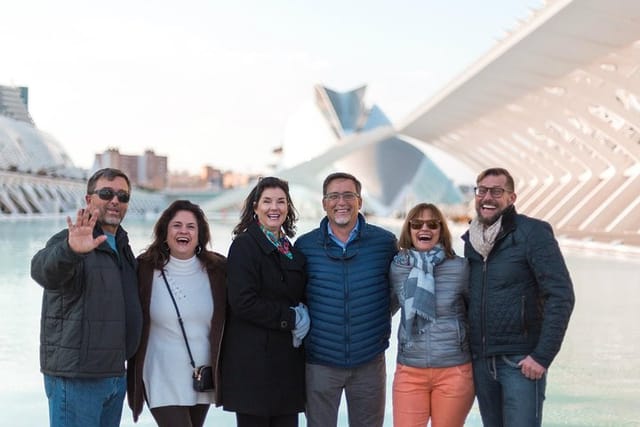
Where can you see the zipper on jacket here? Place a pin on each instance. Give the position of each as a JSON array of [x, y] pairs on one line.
[[484, 308], [347, 323]]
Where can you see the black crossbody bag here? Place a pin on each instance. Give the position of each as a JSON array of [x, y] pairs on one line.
[[202, 375]]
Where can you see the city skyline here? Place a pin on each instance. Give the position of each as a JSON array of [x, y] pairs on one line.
[[215, 83]]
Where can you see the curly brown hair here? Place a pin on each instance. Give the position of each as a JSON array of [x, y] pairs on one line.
[[158, 253]]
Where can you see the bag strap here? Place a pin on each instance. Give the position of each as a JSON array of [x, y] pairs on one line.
[[184, 334]]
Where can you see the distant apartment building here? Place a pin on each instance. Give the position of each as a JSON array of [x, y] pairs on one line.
[[234, 179], [147, 171]]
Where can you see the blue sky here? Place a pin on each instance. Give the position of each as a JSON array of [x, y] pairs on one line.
[[213, 82]]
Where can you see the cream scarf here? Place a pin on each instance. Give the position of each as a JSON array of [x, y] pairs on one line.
[[482, 239]]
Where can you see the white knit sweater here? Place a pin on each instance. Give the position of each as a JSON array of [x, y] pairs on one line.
[[167, 370]]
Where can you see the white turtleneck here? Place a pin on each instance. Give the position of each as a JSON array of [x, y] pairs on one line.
[[167, 369]]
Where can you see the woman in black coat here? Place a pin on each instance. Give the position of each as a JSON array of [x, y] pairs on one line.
[[262, 356]]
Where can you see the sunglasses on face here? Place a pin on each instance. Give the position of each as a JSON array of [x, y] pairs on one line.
[[107, 193], [417, 224]]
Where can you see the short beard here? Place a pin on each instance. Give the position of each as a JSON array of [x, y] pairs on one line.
[[487, 221], [111, 221], [342, 221]]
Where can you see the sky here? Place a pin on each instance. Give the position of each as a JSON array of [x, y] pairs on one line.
[[215, 82]]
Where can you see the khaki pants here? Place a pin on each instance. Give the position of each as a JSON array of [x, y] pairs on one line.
[[364, 387], [443, 394]]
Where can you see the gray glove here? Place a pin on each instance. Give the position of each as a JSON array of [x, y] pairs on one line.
[[303, 323]]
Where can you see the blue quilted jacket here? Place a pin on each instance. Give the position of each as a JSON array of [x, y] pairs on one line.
[[348, 295], [522, 297]]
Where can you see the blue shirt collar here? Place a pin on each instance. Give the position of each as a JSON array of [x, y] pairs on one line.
[[352, 235]]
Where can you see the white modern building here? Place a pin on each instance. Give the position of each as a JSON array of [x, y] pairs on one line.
[[558, 104], [36, 174], [392, 170]]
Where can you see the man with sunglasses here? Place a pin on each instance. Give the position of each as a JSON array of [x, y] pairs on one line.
[[348, 296], [91, 315], [520, 301]]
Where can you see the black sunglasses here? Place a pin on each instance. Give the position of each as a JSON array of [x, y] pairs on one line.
[[107, 193], [432, 224]]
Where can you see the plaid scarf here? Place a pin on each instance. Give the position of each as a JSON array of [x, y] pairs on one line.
[[419, 286]]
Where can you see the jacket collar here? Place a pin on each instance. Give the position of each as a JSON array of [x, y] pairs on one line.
[[324, 224], [122, 237], [508, 222], [263, 242], [332, 249]]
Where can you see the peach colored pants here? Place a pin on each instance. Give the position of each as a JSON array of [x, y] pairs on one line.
[[443, 394]]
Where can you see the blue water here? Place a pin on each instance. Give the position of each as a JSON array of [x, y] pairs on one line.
[[594, 381]]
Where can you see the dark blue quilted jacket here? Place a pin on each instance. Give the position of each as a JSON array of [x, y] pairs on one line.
[[348, 295], [521, 298]]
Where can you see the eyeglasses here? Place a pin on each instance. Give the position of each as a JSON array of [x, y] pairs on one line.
[[494, 191], [347, 196], [432, 224], [107, 193]]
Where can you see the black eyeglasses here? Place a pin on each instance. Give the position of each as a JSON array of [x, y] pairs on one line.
[[432, 224], [494, 191], [107, 193], [347, 196]]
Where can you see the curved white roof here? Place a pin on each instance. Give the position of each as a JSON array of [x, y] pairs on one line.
[[27, 148], [558, 104]]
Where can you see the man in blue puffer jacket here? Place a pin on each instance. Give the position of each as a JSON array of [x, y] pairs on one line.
[[520, 301], [348, 295]]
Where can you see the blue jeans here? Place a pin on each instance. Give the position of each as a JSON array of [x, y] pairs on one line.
[[505, 396], [85, 402]]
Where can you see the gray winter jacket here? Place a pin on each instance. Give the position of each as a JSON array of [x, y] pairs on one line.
[[444, 341]]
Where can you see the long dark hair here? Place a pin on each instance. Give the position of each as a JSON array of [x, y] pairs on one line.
[[445, 235], [158, 253], [247, 216]]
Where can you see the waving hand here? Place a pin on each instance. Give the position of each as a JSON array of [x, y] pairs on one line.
[[81, 239]]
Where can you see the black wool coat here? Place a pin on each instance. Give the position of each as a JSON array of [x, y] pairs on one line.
[[262, 372]]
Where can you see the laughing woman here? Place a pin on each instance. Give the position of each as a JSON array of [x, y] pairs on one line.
[[262, 356], [178, 274], [433, 378]]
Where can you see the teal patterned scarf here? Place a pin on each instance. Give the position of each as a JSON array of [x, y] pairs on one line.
[[282, 244]]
